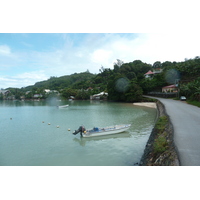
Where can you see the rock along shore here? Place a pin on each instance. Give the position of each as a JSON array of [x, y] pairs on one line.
[[168, 157]]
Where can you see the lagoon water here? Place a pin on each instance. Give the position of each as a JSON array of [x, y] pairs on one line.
[[29, 135]]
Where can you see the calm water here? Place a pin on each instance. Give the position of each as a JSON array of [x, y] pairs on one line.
[[27, 139]]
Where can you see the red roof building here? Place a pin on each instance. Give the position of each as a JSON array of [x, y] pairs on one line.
[[149, 74], [170, 88]]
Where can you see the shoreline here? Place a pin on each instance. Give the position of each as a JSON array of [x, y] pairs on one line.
[[146, 104], [169, 157]]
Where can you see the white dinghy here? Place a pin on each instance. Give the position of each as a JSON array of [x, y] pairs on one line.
[[63, 106], [102, 131]]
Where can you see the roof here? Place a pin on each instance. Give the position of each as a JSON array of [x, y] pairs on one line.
[[100, 94], [149, 72], [4, 91], [170, 86]]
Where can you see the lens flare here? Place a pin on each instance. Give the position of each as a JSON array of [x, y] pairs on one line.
[[172, 75], [122, 85]]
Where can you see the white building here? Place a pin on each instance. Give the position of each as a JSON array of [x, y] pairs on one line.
[[97, 96]]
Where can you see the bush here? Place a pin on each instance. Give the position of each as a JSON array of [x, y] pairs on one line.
[[194, 103], [160, 144], [161, 124]]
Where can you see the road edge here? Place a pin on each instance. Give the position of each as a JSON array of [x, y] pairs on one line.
[[170, 156]]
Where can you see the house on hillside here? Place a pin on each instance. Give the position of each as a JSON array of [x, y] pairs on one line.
[[149, 74], [47, 91], [35, 96], [98, 96], [27, 92], [90, 88], [4, 92], [71, 98], [170, 88]]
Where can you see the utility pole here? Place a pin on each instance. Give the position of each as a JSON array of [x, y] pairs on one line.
[[177, 85]]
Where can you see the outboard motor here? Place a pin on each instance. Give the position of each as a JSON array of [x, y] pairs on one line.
[[80, 130]]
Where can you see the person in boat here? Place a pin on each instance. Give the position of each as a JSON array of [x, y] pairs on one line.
[[81, 130]]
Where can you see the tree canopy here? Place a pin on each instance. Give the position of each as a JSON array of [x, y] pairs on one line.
[[125, 82]]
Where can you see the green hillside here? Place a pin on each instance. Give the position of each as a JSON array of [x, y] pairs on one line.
[[57, 83], [126, 82]]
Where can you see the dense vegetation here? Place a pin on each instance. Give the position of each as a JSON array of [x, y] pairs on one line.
[[76, 81], [188, 74], [125, 82]]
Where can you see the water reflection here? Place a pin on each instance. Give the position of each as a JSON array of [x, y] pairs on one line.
[[82, 141], [28, 141], [18, 103]]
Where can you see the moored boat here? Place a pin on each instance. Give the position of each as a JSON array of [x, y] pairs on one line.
[[64, 106], [102, 131]]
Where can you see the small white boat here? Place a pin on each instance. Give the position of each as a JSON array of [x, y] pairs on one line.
[[64, 106], [102, 131]]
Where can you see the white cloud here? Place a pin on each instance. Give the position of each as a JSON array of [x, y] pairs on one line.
[[8, 59], [6, 82], [101, 56], [92, 51], [168, 47], [35, 75], [22, 80], [5, 50]]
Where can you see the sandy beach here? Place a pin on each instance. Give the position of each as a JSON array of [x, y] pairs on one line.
[[146, 104]]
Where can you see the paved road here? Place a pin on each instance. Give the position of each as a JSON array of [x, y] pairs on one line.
[[186, 122]]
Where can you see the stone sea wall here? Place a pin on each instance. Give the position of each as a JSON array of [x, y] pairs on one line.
[[168, 157]]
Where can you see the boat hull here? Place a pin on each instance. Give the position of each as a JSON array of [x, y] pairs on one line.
[[106, 131], [64, 106]]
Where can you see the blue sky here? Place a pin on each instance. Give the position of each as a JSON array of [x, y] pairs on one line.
[[26, 58], [42, 39]]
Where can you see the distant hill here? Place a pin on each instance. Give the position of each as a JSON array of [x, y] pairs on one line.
[[126, 82], [56, 83]]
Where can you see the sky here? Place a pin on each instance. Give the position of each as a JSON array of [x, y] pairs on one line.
[[55, 38], [26, 58]]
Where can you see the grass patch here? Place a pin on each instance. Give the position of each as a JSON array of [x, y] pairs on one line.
[[160, 144], [161, 124], [147, 99], [194, 103], [176, 98]]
